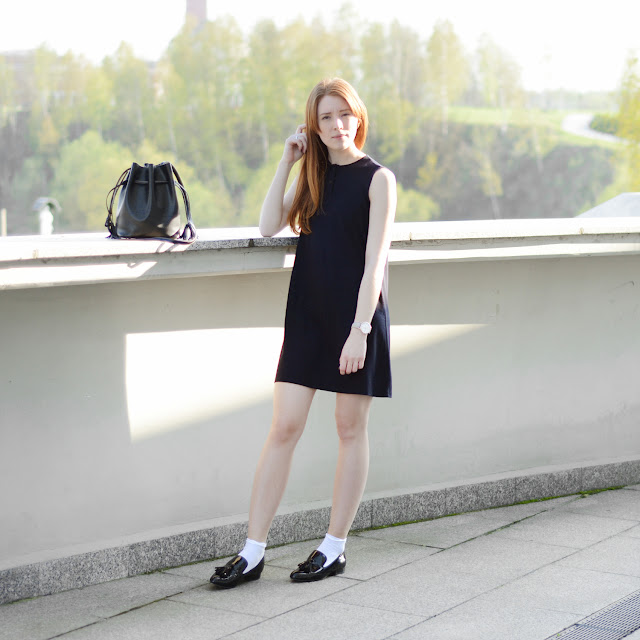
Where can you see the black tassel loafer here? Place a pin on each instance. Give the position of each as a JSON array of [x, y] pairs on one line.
[[232, 574], [313, 568]]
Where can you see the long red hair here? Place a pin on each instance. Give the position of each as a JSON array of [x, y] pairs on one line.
[[308, 197]]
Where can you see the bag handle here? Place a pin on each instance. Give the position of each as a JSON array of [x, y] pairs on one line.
[[189, 233], [109, 222]]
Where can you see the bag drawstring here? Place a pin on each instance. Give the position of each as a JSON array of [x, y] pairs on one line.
[[189, 233]]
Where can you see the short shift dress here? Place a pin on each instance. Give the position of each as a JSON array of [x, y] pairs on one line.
[[323, 292]]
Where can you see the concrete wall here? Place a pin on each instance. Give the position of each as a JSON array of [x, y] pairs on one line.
[[133, 408]]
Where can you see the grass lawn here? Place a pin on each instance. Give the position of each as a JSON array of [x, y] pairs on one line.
[[550, 120]]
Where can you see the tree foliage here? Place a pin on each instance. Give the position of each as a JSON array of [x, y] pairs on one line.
[[628, 122], [219, 104]]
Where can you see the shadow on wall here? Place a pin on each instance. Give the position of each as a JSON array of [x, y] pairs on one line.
[[497, 366]]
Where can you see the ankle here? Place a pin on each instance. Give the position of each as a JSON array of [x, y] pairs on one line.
[[332, 548], [253, 552]]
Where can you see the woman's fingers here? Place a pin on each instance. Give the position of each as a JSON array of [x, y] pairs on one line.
[[298, 141], [301, 137], [350, 365]]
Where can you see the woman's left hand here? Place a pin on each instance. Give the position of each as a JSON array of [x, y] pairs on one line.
[[353, 353]]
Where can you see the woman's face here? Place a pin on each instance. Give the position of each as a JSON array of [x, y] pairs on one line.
[[337, 125]]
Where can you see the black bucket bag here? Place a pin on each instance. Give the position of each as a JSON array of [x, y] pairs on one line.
[[148, 205]]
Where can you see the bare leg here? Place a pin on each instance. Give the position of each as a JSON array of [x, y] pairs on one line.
[[291, 404], [352, 418]]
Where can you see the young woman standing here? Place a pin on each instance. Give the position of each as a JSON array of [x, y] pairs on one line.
[[337, 320]]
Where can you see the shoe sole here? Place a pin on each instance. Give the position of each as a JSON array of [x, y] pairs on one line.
[[314, 577]]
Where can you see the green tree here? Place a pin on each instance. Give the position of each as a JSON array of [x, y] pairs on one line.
[[499, 78], [484, 141], [414, 206], [392, 66], [100, 109], [203, 97], [13, 148], [447, 69], [87, 169], [8, 103], [130, 83], [629, 123], [259, 185], [265, 110]]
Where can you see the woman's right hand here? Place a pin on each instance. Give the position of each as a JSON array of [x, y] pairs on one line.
[[295, 146]]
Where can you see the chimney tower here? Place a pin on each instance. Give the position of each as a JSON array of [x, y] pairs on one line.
[[197, 9]]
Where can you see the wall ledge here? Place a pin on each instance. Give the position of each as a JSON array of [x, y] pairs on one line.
[[91, 258], [72, 568]]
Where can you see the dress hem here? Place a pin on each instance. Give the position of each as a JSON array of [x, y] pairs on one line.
[[333, 390]]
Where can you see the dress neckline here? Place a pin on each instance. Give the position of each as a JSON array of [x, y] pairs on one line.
[[349, 164]]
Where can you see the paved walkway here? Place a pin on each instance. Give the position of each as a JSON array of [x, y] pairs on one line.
[[524, 572], [580, 125]]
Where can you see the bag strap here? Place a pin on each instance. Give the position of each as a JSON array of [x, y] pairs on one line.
[[109, 222]]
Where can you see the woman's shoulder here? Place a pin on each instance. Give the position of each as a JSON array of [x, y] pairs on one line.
[[377, 168], [379, 173]]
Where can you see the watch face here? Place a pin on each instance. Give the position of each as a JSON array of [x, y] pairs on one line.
[[365, 327]]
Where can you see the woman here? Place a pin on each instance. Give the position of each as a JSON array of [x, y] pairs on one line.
[[337, 322]]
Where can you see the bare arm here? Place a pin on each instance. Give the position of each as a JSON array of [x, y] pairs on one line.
[[383, 197], [277, 203]]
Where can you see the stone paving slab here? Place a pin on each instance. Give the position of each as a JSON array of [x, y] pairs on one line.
[[564, 589], [272, 595], [474, 621], [633, 532], [417, 589], [453, 530], [566, 529], [518, 512], [623, 504], [167, 620], [620, 554], [51, 615], [366, 558], [500, 559], [326, 620], [441, 533], [47, 620]]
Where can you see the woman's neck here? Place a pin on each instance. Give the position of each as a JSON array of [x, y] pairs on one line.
[[345, 156]]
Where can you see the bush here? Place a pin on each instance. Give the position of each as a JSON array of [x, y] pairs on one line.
[[605, 123]]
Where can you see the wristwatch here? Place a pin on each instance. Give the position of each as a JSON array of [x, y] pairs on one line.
[[365, 327]]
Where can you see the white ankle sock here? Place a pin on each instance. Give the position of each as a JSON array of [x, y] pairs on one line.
[[252, 552], [331, 547]]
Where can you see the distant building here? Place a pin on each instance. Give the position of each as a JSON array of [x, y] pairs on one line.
[[197, 9]]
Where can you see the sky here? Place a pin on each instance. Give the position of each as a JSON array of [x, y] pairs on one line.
[[559, 44]]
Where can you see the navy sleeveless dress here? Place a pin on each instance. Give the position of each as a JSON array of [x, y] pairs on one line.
[[323, 292]]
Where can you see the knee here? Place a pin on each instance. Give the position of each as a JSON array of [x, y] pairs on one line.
[[285, 431], [350, 426]]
